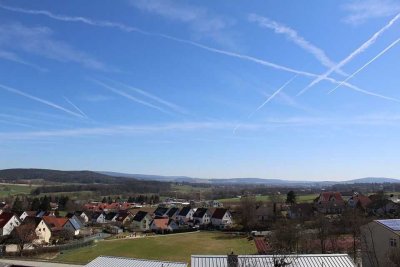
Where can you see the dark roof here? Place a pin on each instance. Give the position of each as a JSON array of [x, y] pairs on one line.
[[122, 216], [184, 211], [219, 213], [32, 220], [139, 216], [172, 211], [79, 212], [200, 213], [160, 211], [110, 216], [96, 215], [5, 217], [70, 215]]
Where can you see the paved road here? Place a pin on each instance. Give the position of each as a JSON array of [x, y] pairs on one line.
[[36, 263]]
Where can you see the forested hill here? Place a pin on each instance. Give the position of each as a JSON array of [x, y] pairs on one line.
[[70, 181], [84, 177]]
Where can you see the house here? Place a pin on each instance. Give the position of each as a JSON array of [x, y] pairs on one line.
[[123, 217], [185, 214], [82, 216], [55, 223], [221, 218], [160, 211], [379, 239], [30, 213], [301, 211], [124, 262], [202, 216], [310, 260], [359, 200], [76, 223], [172, 212], [111, 216], [141, 221], [329, 202], [98, 217], [8, 221], [163, 225], [42, 230], [383, 207]]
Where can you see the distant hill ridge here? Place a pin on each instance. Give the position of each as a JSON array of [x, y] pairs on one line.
[[90, 177]]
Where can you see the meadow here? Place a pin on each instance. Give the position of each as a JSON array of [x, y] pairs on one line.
[[300, 199], [174, 247]]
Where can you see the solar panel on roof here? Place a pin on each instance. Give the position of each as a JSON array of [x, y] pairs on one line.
[[393, 224]]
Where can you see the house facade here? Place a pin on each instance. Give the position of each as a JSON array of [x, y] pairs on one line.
[[330, 203], [8, 221], [221, 218], [185, 214], [379, 238], [202, 216], [163, 225], [141, 221]]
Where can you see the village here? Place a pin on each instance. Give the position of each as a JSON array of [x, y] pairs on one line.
[[330, 223]]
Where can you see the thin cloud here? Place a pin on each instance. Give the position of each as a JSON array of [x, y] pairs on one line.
[[199, 19], [299, 40], [367, 64], [127, 28], [40, 41], [359, 50], [359, 11], [164, 102], [76, 107], [15, 58], [40, 100], [130, 97]]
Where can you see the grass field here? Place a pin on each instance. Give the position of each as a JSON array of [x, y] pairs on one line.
[[300, 199], [15, 189], [176, 247]]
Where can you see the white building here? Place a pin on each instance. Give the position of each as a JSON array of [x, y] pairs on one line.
[[8, 221], [221, 218]]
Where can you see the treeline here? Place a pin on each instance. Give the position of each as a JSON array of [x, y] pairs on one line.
[[22, 204], [153, 199], [108, 189]]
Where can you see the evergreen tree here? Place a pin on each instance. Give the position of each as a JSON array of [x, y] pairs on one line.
[[45, 203], [291, 197], [35, 205], [17, 206]]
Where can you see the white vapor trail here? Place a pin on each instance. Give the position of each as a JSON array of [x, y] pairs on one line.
[[153, 97], [40, 100], [299, 40], [267, 101], [76, 107], [359, 50], [130, 97], [366, 64], [127, 28]]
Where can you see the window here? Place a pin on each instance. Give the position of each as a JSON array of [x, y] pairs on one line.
[[393, 242]]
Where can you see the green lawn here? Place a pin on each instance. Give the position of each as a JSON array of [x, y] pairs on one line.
[[15, 189], [178, 247], [300, 198]]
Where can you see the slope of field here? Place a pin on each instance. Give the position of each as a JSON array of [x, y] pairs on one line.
[[300, 199], [15, 189], [176, 247]]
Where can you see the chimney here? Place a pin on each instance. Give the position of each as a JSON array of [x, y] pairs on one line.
[[233, 260]]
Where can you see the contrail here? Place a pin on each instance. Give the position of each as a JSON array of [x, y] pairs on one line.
[[153, 97], [128, 96], [359, 50], [37, 99], [127, 28], [268, 100], [294, 36], [76, 107], [366, 64]]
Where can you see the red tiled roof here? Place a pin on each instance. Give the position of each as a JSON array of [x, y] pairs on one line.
[[161, 223], [363, 200], [325, 197], [55, 222]]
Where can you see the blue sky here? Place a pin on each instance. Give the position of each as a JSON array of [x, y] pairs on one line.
[[271, 89]]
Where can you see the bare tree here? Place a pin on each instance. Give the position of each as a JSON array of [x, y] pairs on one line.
[[21, 236], [248, 212]]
